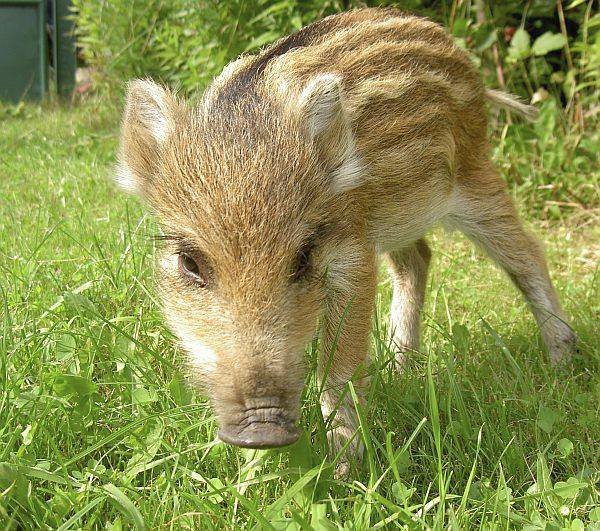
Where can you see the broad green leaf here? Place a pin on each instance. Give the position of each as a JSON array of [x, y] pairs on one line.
[[520, 44], [300, 453], [285, 524], [62, 502], [402, 492], [565, 447], [65, 347], [569, 488], [141, 395], [577, 525], [71, 384], [27, 435], [546, 419], [547, 42]]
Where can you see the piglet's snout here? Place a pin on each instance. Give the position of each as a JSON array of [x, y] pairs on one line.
[[260, 427]]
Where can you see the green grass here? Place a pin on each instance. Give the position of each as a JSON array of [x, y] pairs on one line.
[[97, 429]]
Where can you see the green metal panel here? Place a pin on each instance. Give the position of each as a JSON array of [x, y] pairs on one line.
[[65, 58], [23, 50]]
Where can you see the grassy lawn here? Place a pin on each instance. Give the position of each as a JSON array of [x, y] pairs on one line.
[[98, 430]]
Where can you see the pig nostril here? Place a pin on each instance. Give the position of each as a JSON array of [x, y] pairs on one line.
[[261, 403], [264, 414]]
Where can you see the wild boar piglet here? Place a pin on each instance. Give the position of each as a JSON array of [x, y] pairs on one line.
[[277, 192]]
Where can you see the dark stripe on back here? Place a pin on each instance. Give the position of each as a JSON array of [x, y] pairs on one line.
[[241, 83]]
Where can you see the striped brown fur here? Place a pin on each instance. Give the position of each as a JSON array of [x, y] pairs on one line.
[[300, 165]]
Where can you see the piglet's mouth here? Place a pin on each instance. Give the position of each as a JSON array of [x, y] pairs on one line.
[[261, 428]]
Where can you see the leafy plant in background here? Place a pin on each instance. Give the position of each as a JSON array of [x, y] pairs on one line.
[[184, 42], [116, 37], [199, 38], [526, 47]]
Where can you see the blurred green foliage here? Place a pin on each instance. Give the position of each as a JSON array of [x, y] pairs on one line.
[[537, 48], [546, 51]]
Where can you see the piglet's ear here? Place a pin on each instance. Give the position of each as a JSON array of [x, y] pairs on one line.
[[329, 127], [150, 115]]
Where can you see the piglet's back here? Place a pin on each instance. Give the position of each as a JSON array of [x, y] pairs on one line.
[[404, 79]]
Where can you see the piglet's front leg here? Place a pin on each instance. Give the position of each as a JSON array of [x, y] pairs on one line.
[[345, 342]]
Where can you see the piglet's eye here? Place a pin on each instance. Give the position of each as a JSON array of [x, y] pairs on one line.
[[302, 263], [192, 269]]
